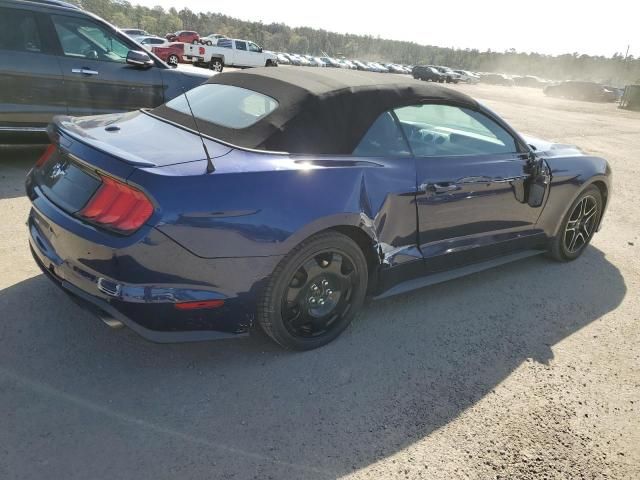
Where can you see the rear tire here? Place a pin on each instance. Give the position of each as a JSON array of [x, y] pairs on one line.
[[216, 65], [578, 226], [314, 292]]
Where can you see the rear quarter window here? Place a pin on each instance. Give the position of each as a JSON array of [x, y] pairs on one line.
[[19, 31], [225, 105]]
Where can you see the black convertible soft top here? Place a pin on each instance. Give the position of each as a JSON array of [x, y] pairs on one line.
[[321, 110]]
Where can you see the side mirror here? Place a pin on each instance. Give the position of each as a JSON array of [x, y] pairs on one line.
[[260, 49], [139, 59]]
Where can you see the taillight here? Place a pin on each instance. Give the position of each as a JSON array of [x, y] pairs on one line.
[[46, 155], [118, 206]]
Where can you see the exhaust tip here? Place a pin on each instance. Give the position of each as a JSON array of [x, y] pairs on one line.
[[112, 322]]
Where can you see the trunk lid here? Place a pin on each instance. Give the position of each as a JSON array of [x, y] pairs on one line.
[[139, 139], [88, 149]]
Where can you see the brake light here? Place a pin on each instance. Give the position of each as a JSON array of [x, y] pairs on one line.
[[46, 155], [118, 206], [199, 304]]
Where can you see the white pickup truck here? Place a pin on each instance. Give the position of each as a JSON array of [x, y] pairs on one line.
[[230, 52]]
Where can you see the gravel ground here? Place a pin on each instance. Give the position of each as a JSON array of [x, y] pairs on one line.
[[526, 371]]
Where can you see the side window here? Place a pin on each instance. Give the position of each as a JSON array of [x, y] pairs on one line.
[[19, 31], [445, 130], [241, 46], [81, 38], [383, 139], [253, 47], [224, 43]]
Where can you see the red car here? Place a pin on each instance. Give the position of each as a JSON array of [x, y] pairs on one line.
[[184, 36], [174, 53], [171, 53]]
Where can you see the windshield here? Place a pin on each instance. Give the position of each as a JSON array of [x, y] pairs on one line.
[[225, 105]]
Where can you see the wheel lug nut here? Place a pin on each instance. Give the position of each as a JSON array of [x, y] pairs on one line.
[[321, 302], [314, 287], [329, 292], [312, 300], [325, 283]]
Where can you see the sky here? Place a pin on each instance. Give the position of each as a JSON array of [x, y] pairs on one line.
[[544, 26]]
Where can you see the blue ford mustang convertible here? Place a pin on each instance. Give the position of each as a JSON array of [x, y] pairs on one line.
[[284, 197]]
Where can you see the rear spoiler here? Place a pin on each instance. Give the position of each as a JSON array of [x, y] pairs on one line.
[[65, 125]]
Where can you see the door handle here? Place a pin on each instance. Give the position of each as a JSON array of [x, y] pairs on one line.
[[439, 187], [84, 71]]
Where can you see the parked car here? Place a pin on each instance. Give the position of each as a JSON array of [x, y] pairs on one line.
[[449, 75], [301, 60], [350, 64], [378, 67], [320, 62], [331, 62], [172, 52], [151, 41], [315, 61], [212, 39], [426, 73], [393, 68], [283, 59], [529, 81], [209, 245], [233, 53], [590, 91], [468, 77], [184, 36], [497, 79], [361, 65], [135, 32], [59, 59]]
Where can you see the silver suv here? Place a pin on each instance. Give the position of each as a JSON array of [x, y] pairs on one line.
[[60, 59]]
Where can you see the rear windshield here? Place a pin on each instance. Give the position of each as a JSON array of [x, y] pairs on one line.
[[225, 105]]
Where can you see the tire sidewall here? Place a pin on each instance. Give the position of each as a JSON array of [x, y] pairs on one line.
[[273, 305]]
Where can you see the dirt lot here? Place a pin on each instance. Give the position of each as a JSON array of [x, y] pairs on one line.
[[531, 370]]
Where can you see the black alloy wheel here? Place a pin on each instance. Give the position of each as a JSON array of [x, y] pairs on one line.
[[579, 225], [315, 292]]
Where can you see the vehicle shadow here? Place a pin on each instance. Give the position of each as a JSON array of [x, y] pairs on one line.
[[15, 162], [243, 408]]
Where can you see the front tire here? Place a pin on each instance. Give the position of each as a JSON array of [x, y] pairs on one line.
[[578, 226], [314, 292], [173, 59]]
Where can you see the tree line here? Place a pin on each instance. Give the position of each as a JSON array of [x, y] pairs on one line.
[[617, 70]]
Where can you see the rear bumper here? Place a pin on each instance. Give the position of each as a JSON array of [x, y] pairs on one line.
[[139, 282], [107, 313]]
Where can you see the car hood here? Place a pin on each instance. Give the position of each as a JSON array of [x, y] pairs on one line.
[[194, 72], [139, 139], [551, 149]]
